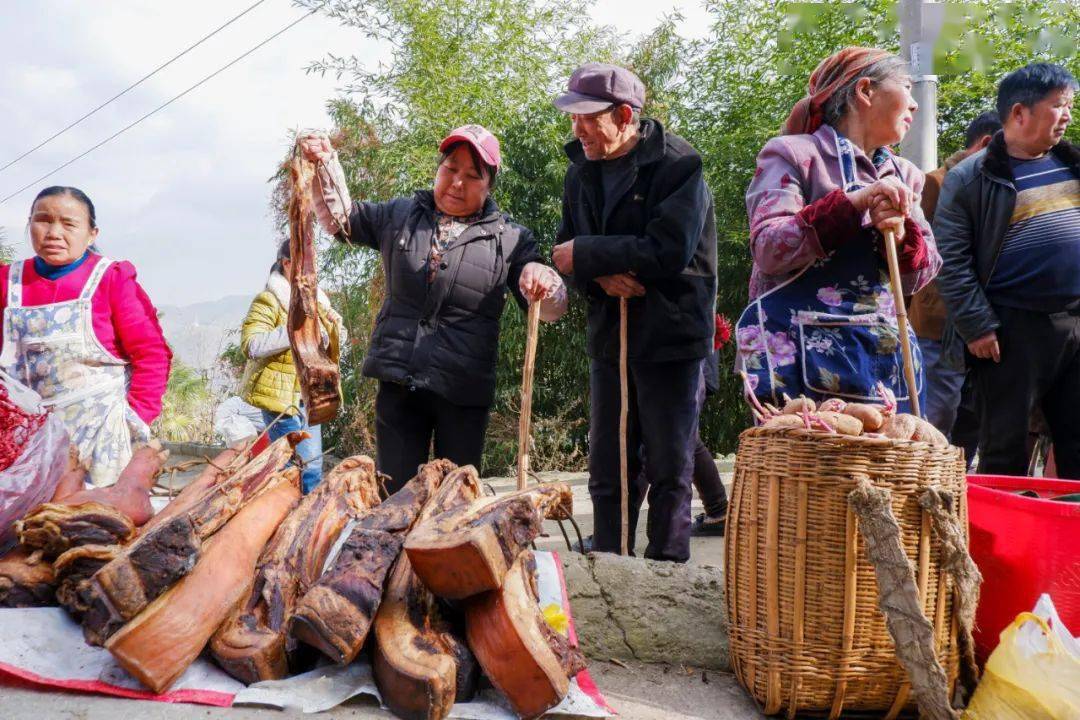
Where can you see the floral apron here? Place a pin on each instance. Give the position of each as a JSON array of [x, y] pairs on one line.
[[53, 349], [831, 330]]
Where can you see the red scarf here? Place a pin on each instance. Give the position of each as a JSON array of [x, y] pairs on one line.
[[830, 75]]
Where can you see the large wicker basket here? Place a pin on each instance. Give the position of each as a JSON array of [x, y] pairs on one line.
[[806, 633]]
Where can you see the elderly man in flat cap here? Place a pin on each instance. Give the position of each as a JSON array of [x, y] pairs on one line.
[[637, 223]]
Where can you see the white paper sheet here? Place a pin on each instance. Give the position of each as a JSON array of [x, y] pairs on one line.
[[49, 644]]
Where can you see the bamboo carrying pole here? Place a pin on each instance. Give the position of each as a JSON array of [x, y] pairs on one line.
[[624, 413], [901, 319], [525, 421]]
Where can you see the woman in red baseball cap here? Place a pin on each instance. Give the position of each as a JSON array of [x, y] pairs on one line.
[[449, 256]]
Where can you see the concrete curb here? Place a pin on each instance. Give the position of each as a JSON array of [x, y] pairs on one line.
[[192, 449], [633, 609]]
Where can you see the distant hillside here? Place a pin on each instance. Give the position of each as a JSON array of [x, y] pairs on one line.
[[198, 333]]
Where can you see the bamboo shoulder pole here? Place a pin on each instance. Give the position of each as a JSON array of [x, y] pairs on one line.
[[624, 413], [525, 420], [902, 320]]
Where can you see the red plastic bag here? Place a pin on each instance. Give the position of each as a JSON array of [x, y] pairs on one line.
[[32, 478]]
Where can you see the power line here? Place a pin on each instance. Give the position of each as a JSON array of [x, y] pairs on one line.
[[131, 87], [164, 105]]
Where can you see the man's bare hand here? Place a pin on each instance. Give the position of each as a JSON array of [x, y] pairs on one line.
[[986, 347], [623, 285], [562, 255]]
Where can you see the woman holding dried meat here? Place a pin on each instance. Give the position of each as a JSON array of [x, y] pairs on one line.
[[821, 321], [450, 256], [80, 330]]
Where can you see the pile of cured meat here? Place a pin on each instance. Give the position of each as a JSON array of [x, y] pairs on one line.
[[435, 582]]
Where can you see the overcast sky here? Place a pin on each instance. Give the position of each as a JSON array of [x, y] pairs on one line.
[[183, 195]]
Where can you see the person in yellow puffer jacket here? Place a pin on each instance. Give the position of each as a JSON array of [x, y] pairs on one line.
[[270, 381]]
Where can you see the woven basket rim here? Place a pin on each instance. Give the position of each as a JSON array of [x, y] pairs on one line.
[[861, 441]]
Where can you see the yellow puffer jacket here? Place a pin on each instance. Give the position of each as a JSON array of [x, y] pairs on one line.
[[271, 382]]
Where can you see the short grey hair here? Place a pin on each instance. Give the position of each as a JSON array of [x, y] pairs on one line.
[[838, 105]]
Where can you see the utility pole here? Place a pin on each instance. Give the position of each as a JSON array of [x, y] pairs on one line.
[[920, 25]]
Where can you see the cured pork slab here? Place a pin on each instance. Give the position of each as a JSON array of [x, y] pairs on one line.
[[54, 528], [253, 644], [26, 580], [468, 550], [336, 614], [167, 551], [522, 656], [74, 569], [165, 638], [421, 665]]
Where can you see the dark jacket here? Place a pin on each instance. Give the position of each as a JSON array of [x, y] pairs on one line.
[[443, 338], [926, 311], [662, 230], [973, 214]]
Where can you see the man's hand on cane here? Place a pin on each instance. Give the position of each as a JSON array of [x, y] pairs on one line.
[[622, 285]]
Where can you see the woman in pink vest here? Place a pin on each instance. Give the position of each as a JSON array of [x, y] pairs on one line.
[[82, 333]]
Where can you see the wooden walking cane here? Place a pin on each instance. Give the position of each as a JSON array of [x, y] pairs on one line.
[[525, 421], [901, 319], [624, 414]]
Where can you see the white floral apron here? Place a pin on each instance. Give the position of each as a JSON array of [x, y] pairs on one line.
[[53, 349]]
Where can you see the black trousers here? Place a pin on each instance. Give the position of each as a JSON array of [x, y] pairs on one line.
[[965, 431], [664, 402], [406, 423], [1039, 368], [708, 482]]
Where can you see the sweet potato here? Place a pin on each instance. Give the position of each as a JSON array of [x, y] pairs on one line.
[[841, 423], [927, 433], [871, 417], [799, 405], [832, 405], [899, 427], [784, 422]]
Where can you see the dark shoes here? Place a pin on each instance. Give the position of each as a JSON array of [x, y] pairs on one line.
[[705, 526], [584, 546]]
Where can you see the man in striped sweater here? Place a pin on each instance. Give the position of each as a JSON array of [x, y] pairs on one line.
[[1008, 229]]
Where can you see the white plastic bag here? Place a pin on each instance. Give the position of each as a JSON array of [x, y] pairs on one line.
[[236, 420]]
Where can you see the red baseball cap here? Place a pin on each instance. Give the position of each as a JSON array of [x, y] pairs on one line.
[[485, 144]]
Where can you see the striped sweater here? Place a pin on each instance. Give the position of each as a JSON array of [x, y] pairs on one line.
[[1039, 265]]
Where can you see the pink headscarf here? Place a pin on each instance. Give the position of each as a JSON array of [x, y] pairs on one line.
[[830, 75]]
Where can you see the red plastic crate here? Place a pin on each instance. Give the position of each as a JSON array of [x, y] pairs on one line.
[[1024, 547]]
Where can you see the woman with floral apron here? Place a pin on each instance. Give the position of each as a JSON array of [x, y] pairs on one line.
[[822, 321], [79, 330]]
